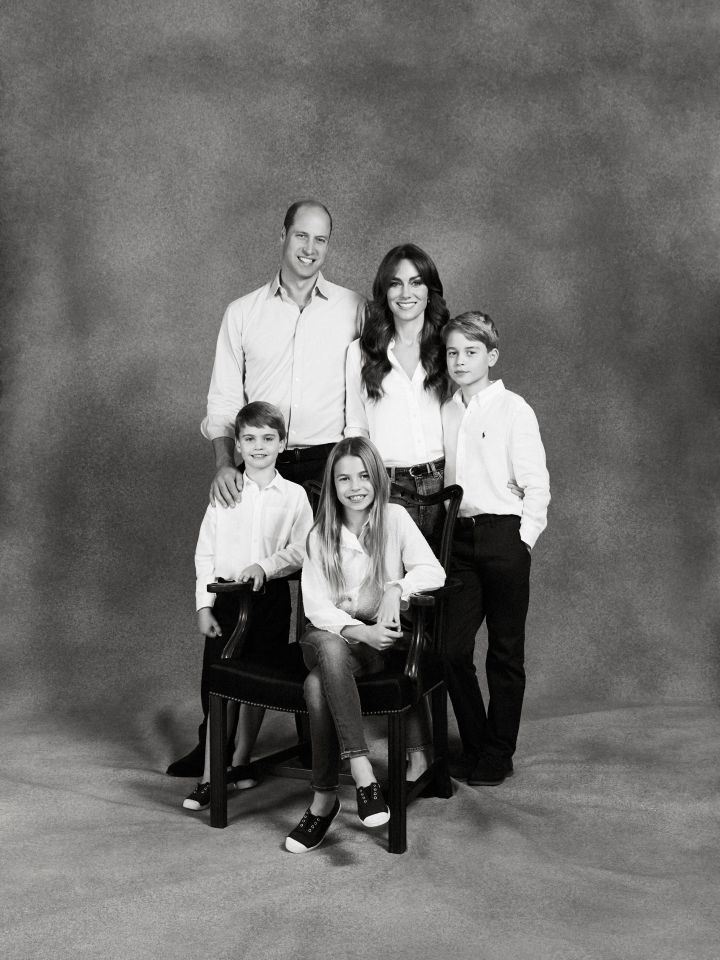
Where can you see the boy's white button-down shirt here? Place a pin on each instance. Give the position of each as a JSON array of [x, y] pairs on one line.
[[268, 349], [409, 561], [405, 423], [268, 527], [495, 439]]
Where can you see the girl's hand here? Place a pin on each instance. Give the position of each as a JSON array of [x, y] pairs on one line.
[[389, 609], [207, 624], [255, 573], [381, 635]]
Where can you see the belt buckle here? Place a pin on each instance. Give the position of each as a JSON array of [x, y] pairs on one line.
[[423, 470]]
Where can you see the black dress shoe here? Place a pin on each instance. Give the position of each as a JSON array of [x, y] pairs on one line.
[[489, 771], [461, 764], [191, 765]]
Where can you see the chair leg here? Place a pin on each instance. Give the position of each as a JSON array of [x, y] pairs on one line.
[[302, 726], [443, 784], [397, 799], [218, 787]]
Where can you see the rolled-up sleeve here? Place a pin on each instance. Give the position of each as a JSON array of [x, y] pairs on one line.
[[356, 421], [423, 570], [227, 384]]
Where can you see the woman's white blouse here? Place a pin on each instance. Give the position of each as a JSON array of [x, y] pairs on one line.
[[405, 423], [409, 562]]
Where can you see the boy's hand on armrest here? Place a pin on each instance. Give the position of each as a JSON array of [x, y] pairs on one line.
[[207, 624], [226, 488], [255, 573]]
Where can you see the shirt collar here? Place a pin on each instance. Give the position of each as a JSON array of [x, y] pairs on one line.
[[350, 541], [321, 288], [482, 398], [278, 482]]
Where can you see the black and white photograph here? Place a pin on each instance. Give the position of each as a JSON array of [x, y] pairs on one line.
[[359, 511]]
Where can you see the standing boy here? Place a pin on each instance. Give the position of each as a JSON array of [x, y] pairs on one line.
[[262, 539], [492, 442]]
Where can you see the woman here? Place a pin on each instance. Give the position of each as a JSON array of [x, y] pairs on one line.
[[395, 375]]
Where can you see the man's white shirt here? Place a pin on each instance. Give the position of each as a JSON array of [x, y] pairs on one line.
[[268, 349]]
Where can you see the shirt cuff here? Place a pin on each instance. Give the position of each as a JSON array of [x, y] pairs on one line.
[[212, 428]]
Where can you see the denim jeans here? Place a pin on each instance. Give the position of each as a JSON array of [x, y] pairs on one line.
[[429, 519], [333, 702]]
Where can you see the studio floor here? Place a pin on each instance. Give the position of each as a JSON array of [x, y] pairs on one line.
[[605, 844]]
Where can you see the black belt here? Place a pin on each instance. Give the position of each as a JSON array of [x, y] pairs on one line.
[[467, 523], [417, 469], [299, 454]]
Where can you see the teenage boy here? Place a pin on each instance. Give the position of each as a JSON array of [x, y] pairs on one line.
[[492, 442], [261, 539]]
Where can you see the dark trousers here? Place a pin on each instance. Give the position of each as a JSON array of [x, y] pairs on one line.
[[493, 565], [266, 641]]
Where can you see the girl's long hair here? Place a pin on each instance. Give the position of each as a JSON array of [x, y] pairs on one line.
[[379, 326], [329, 519]]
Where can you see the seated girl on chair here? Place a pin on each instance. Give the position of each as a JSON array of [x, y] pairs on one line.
[[365, 556]]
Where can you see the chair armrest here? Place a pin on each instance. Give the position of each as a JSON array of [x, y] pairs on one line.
[[427, 598], [420, 604], [234, 645]]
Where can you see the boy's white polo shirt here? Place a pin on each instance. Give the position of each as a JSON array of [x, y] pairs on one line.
[[493, 440]]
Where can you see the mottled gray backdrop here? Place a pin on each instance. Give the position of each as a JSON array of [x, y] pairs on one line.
[[558, 159]]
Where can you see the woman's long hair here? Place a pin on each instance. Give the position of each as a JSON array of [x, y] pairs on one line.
[[329, 519], [379, 327]]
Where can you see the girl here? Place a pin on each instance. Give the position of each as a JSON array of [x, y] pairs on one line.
[[395, 375], [365, 557]]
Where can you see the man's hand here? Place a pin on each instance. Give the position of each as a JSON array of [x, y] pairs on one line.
[[255, 573], [226, 488], [207, 624], [389, 609]]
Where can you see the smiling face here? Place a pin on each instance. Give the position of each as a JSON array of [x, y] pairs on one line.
[[469, 362], [353, 487], [259, 447], [305, 243], [407, 295]]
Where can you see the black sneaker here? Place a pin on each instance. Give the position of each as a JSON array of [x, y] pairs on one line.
[[241, 777], [489, 771], [372, 809], [199, 799], [311, 830]]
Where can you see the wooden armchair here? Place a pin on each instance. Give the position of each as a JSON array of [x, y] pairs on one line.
[[409, 676]]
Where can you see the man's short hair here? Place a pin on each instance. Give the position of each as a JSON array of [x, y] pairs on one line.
[[292, 211], [475, 326], [260, 414]]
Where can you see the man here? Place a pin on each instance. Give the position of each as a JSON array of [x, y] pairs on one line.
[[285, 343]]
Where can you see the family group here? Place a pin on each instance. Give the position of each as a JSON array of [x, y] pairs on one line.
[[372, 398]]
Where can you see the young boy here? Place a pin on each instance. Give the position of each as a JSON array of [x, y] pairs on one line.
[[492, 444], [260, 539]]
